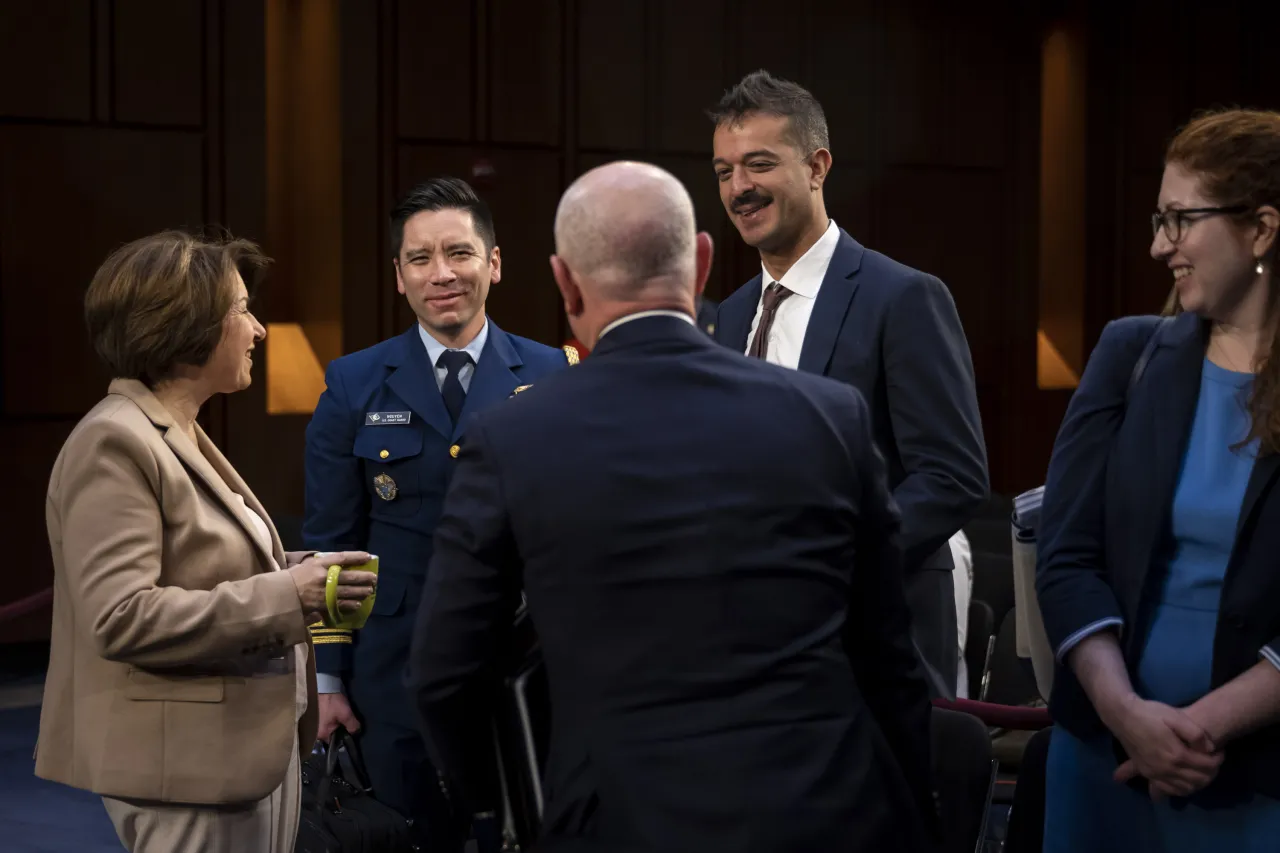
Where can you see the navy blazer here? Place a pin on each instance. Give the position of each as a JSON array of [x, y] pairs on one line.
[[1106, 523], [707, 546], [378, 485], [893, 333]]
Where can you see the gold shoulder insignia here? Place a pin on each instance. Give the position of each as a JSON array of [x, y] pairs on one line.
[[521, 388], [571, 353]]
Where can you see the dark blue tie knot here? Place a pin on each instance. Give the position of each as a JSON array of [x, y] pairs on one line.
[[451, 389], [453, 360]]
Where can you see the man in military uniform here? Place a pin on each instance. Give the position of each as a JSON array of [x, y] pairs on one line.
[[380, 451]]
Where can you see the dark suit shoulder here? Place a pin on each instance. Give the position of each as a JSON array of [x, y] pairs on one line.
[[1118, 347], [880, 270]]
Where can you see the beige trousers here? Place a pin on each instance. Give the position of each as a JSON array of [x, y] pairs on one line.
[[268, 826]]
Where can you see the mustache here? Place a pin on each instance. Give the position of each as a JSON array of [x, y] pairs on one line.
[[751, 198]]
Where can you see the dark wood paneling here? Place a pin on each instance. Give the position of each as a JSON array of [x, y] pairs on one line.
[[26, 483], [778, 43], [1152, 80], [1148, 281], [943, 97], [957, 249], [522, 192], [525, 55], [687, 57], [844, 41], [121, 184], [46, 56], [159, 62], [610, 75], [435, 48]]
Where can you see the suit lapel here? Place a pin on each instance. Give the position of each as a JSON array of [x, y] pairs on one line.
[[831, 306], [219, 480], [217, 485], [232, 478], [1264, 473], [734, 323], [493, 380], [1170, 390], [414, 381]]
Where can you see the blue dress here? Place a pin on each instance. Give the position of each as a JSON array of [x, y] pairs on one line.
[[1085, 809]]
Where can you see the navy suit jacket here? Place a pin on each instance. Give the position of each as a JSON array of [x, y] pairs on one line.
[[893, 333], [378, 486], [1106, 523], [708, 550]]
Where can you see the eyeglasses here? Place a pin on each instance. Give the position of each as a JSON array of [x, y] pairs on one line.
[[1175, 220]]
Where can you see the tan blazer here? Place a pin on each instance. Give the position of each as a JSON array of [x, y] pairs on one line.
[[173, 672]]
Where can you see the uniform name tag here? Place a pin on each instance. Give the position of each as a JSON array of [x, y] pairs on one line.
[[386, 418]]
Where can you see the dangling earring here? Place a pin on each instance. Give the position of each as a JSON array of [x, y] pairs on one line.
[[1259, 269]]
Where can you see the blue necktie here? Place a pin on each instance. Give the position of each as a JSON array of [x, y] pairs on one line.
[[453, 361]]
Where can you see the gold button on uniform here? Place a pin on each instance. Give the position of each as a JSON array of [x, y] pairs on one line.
[[453, 451], [384, 454]]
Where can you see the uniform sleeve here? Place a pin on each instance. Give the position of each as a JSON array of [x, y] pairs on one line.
[[336, 516]]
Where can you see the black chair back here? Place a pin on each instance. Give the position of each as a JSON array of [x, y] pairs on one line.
[[977, 642], [522, 732], [964, 775]]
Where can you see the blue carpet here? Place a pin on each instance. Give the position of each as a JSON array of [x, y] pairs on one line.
[[39, 816]]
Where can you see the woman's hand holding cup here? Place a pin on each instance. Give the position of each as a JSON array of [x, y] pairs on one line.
[[311, 575]]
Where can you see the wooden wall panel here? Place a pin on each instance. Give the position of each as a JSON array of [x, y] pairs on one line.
[[943, 85], [1148, 281], [843, 47], [522, 193], [611, 80], [26, 484], [959, 249], [159, 62], [525, 53], [688, 59], [121, 184], [436, 68], [121, 118], [779, 43], [56, 35]]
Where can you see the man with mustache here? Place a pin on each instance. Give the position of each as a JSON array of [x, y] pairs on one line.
[[724, 630], [826, 305], [381, 449]]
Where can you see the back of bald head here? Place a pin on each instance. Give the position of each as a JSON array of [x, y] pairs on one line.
[[626, 230]]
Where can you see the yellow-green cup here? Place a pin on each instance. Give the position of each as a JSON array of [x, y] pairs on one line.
[[355, 619]]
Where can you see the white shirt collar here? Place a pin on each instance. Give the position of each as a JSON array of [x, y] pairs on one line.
[[657, 312], [434, 347], [806, 275]]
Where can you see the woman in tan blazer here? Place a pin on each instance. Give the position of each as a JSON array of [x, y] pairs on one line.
[[181, 685]]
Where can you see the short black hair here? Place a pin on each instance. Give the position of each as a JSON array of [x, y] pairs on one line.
[[443, 193], [761, 92]]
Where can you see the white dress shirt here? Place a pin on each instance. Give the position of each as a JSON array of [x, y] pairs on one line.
[[435, 348], [804, 280]]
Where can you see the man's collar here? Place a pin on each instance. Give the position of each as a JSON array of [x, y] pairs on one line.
[[435, 348], [806, 274], [655, 312]]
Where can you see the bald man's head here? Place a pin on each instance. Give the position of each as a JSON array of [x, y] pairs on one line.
[[626, 230]]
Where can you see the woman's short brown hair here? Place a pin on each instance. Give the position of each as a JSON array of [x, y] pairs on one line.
[[1236, 155], [160, 302]]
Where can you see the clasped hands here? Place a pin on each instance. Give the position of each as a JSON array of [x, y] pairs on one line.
[[1166, 745]]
